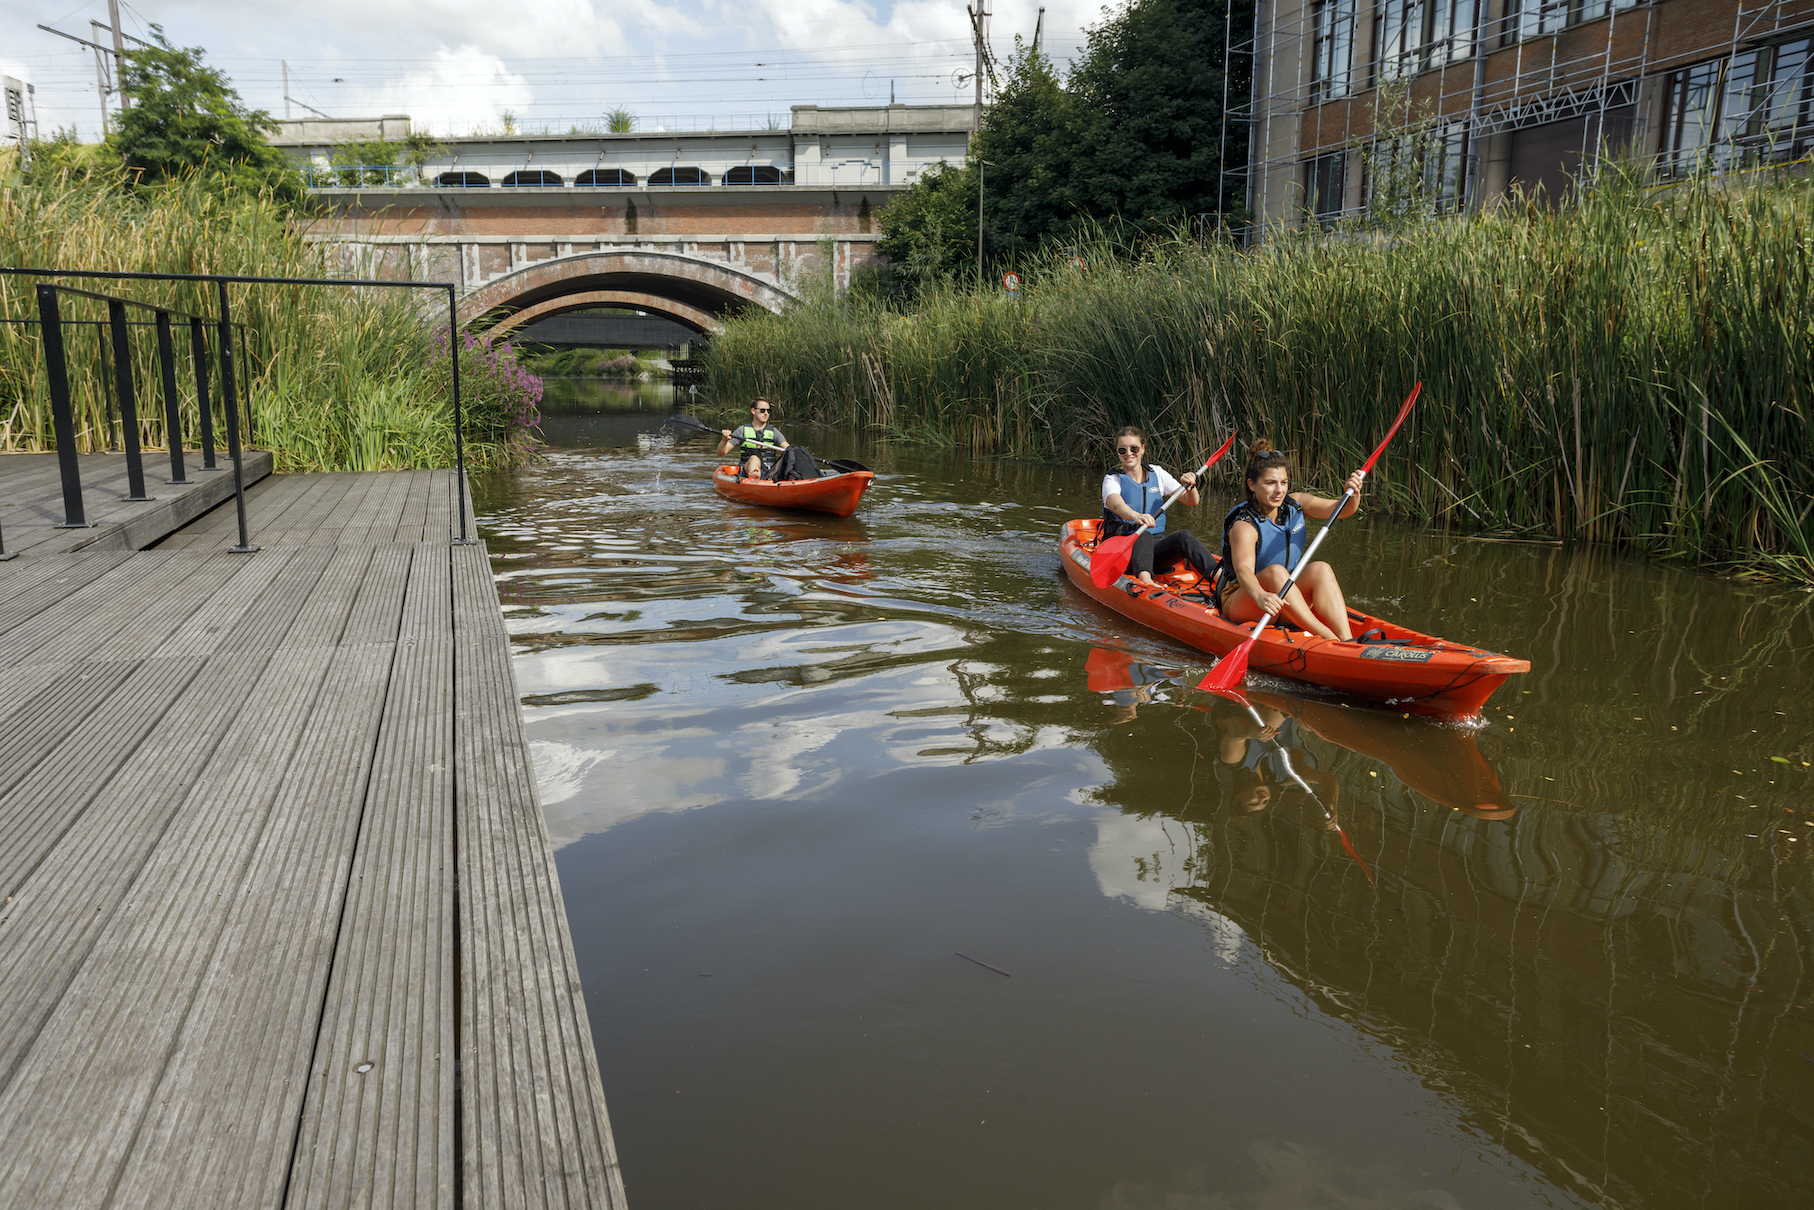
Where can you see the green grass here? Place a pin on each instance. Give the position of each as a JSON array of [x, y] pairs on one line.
[[1635, 369], [341, 378]]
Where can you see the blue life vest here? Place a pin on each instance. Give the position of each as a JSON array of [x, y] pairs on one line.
[[1281, 541], [1142, 498]]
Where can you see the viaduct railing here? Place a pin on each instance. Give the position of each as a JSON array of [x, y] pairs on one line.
[[118, 351]]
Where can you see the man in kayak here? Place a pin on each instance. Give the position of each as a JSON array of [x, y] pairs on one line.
[[1131, 497], [757, 462], [1263, 539]]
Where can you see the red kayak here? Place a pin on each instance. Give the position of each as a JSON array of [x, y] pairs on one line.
[[834, 494], [1412, 672]]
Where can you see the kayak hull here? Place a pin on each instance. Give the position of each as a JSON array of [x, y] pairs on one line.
[[838, 495], [1412, 672]]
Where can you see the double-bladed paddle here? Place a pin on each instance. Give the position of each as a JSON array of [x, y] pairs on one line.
[[1109, 560], [841, 465], [1231, 670]]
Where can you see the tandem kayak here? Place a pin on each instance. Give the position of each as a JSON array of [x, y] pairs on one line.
[[834, 494], [1412, 672]]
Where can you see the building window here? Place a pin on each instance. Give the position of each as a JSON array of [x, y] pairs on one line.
[[760, 175], [463, 180], [1750, 109], [1417, 174], [1332, 59], [1325, 182], [1410, 36], [533, 178], [605, 176], [679, 176], [1529, 18]]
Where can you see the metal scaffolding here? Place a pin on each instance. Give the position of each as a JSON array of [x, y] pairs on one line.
[[1328, 74]]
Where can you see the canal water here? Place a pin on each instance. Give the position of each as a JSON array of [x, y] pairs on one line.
[[901, 874]]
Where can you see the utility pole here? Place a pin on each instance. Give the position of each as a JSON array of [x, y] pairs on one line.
[[1039, 27], [979, 32], [286, 88], [119, 51], [980, 165]]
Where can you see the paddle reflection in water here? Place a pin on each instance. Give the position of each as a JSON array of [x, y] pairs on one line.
[[1561, 990]]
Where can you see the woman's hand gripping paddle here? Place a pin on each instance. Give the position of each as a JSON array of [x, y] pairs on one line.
[[841, 465], [1109, 560], [1231, 669]]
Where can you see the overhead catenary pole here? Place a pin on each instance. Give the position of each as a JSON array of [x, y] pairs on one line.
[[286, 88], [119, 51], [1039, 27]]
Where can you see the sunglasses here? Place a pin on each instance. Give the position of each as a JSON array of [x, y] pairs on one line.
[[760, 411], [1127, 449]]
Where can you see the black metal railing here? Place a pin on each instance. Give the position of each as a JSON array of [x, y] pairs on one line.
[[51, 325]]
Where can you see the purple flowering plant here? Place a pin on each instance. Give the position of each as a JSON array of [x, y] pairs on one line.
[[500, 399]]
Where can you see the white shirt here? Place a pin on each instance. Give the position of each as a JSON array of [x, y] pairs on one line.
[[1111, 486]]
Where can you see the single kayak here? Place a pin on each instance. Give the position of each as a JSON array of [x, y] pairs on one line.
[[834, 494], [1412, 672]]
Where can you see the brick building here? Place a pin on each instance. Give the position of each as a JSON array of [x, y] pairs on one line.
[[1516, 93]]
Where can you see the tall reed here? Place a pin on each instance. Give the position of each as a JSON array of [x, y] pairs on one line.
[[325, 363], [1634, 369]]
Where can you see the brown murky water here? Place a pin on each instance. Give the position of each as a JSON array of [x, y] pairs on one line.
[[796, 766]]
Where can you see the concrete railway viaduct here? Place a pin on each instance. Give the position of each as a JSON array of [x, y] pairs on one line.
[[690, 225]]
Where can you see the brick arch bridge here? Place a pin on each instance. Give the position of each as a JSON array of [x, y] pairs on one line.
[[692, 290], [694, 254]]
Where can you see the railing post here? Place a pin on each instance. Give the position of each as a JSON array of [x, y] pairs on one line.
[[50, 326], [173, 419], [100, 348], [453, 352], [230, 402], [198, 352], [129, 404]]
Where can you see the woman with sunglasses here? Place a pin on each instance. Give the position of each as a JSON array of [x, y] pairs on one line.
[[1263, 539], [1132, 496], [757, 462]]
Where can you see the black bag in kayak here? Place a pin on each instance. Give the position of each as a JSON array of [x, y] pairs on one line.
[[795, 463]]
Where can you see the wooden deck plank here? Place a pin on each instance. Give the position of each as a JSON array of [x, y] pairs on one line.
[[75, 572], [384, 1136], [94, 1065], [231, 793], [532, 1109], [31, 500]]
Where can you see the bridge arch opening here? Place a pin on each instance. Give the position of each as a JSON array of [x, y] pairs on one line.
[[692, 290], [533, 178], [605, 176], [753, 174], [679, 176], [463, 180]]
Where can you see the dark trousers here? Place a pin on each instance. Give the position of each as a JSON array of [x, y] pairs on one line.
[[1150, 552]]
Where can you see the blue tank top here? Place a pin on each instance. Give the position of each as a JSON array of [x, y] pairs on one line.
[[1142, 498]]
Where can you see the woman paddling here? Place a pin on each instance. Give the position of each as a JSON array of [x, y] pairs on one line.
[[1131, 497], [1263, 539]]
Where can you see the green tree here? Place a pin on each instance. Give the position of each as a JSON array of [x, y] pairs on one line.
[[186, 118], [1028, 137], [1150, 88], [376, 161], [929, 232]]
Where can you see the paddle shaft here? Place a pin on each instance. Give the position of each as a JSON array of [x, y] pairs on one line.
[[1285, 759]]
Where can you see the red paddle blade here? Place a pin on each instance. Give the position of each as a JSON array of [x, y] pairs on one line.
[[1108, 670], [1347, 844], [1230, 670], [1234, 695], [1109, 559], [1391, 432]]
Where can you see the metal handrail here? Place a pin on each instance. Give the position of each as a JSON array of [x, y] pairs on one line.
[[63, 416]]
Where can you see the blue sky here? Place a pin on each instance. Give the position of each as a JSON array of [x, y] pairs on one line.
[[454, 65]]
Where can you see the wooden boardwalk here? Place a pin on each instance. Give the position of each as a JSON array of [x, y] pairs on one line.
[[31, 500], [281, 925]]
